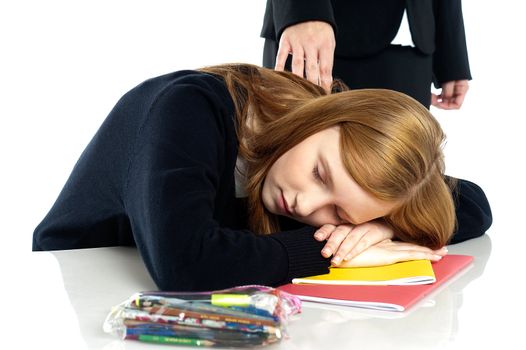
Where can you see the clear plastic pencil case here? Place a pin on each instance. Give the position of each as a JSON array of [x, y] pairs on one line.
[[244, 316]]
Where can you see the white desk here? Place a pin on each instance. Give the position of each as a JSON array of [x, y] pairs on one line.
[[60, 299]]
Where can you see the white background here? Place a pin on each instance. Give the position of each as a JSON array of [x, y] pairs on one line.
[[63, 65]]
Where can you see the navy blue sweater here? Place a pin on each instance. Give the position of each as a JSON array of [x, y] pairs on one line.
[[159, 174]]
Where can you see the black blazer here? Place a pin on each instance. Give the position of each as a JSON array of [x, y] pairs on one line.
[[365, 27]]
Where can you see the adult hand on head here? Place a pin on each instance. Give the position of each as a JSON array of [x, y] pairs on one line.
[[389, 252], [344, 242], [312, 46], [452, 95]]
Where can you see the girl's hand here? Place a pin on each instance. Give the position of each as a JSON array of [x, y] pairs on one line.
[[388, 252], [344, 242]]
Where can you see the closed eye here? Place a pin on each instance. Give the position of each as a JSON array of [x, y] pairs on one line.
[[316, 174]]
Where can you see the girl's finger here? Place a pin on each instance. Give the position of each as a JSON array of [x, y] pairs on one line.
[[405, 246], [362, 238], [409, 246], [324, 232], [400, 246], [336, 238], [418, 255], [348, 245]]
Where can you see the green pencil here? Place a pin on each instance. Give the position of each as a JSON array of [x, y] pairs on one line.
[[174, 340]]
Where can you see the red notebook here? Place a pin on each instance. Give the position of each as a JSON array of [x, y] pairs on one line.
[[389, 298]]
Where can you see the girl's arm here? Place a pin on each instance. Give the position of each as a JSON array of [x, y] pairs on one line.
[[344, 242], [181, 168]]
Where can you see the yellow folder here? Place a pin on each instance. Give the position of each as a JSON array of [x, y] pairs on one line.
[[403, 273]]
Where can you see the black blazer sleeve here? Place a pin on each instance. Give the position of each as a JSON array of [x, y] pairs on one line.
[[175, 176], [450, 59], [280, 14]]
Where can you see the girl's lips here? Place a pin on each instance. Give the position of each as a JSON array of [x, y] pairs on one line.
[[284, 205]]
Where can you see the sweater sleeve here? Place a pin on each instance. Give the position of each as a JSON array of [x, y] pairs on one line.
[[173, 180], [473, 211]]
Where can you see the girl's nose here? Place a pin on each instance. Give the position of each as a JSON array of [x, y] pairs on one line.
[[306, 204]]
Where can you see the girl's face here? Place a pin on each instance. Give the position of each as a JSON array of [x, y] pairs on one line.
[[310, 184]]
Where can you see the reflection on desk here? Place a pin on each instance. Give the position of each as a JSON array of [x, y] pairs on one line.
[[71, 292]]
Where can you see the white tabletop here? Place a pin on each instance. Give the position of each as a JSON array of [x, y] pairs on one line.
[[65, 64], [60, 299]]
